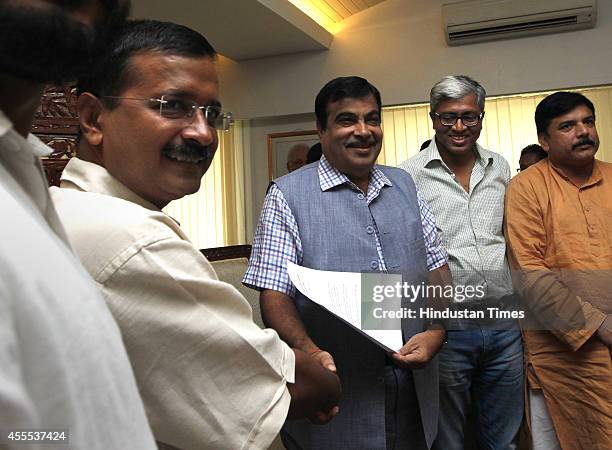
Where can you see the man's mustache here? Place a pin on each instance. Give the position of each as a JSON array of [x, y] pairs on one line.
[[360, 143], [584, 141], [189, 148]]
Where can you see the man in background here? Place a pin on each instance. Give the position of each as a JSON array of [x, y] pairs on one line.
[[347, 214], [530, 155], [559, 232], [465, 186], [63, 366], [297, 157], [149, 113]]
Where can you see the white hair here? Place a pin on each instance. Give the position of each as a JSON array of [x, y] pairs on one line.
[[454, 87]]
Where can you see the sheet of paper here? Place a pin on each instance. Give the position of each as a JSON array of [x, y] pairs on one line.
[[340, 294]]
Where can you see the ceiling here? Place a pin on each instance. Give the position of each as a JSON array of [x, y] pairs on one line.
[[337, 10], [250, 29]]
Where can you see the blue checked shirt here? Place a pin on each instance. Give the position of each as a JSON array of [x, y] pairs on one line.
[[277, 238]]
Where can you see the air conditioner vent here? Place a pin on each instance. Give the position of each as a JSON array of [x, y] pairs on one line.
[[535, 25], [485, 20]]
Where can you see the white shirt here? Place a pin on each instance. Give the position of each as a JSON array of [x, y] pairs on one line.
[[209, 377], [62, 363]]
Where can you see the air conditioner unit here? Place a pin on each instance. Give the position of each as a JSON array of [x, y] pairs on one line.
[[487, 20]]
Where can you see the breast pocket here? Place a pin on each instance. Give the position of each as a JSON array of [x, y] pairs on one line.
[[487, 209], [405, 249]]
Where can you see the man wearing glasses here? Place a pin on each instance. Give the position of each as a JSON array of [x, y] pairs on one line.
[[65, 377], [210, 378], [465, 186]]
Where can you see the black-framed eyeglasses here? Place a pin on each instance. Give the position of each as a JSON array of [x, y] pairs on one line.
[[468, 119], [176, 108]]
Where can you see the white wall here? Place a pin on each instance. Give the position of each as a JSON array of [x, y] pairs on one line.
[[399, 46], [260, 128]]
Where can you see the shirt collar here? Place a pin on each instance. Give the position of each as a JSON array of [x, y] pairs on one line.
[[36, 146], [90, 177], [483, 157], [595, 177], [330, 177], [39, 147], [5, 124]]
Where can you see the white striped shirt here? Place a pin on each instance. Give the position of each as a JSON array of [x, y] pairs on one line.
[[470, 224]]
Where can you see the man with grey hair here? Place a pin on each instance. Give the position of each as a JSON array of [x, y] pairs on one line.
[[465, 186]]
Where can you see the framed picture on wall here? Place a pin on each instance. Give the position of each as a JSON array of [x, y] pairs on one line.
[[279, 146]]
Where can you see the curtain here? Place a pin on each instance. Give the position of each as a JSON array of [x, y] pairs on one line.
[[215, 215], [233, 169], [507, 128]]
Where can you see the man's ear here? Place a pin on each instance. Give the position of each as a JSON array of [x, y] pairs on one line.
[[543, 140], [90, 109]]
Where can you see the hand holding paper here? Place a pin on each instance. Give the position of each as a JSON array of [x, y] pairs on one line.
[[419, 350], [340, 294]]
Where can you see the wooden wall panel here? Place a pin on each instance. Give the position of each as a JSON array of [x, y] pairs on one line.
[[57, 125]]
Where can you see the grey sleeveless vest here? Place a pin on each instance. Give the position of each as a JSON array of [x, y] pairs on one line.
[[336, 228]]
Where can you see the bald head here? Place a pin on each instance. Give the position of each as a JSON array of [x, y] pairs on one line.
[[297, 157]]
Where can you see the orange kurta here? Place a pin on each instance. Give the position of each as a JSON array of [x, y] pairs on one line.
[[559, 240]]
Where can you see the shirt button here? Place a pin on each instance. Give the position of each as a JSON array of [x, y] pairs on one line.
[[374, 264], [587, 209], [360, 196], [370, 230]]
